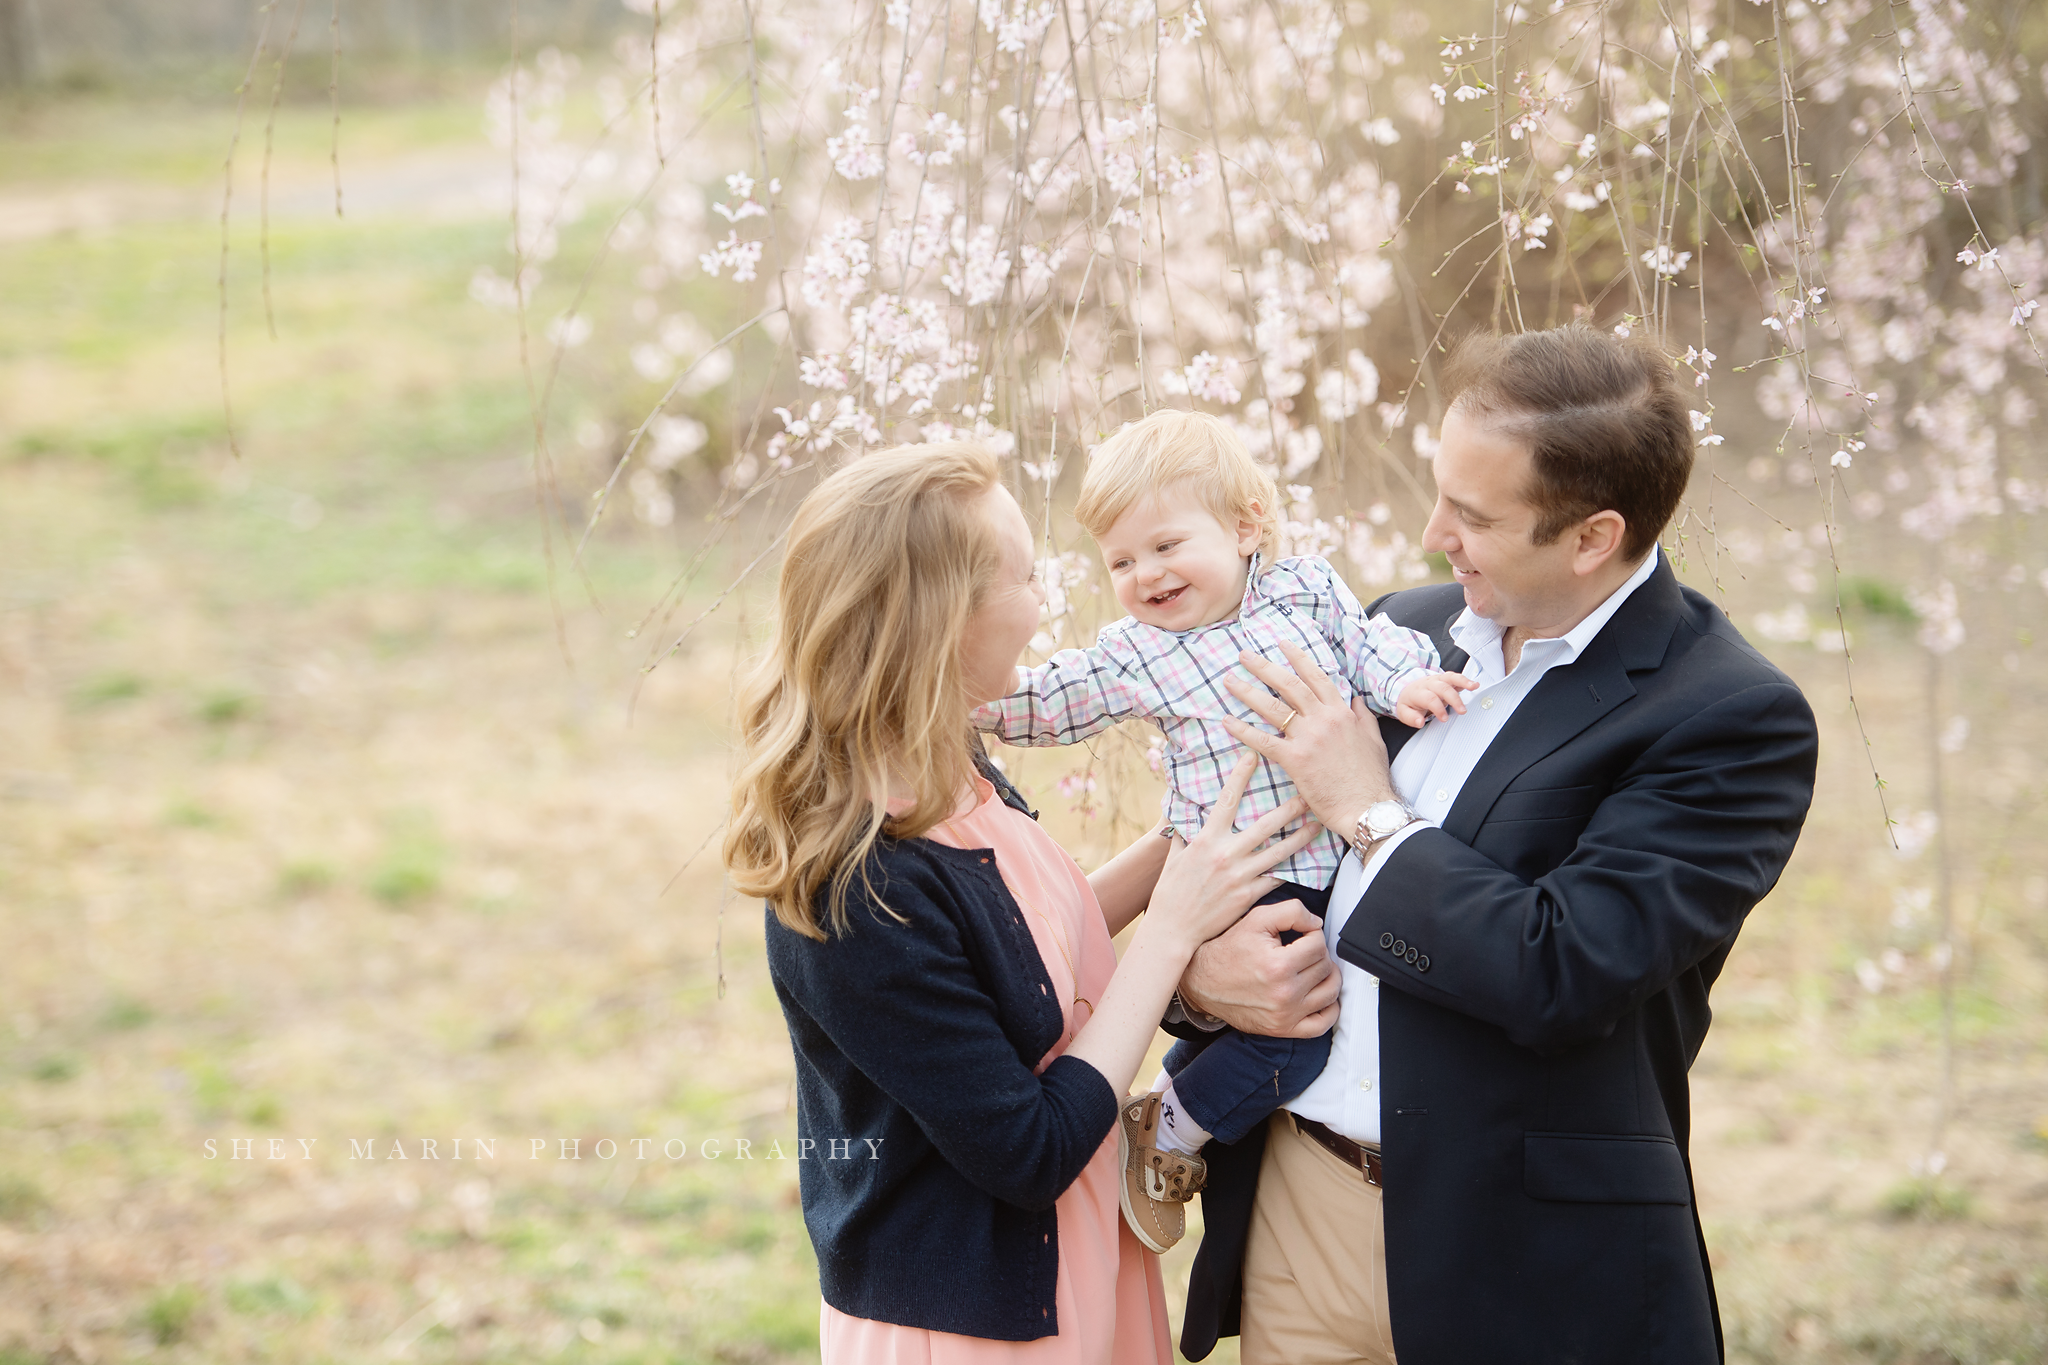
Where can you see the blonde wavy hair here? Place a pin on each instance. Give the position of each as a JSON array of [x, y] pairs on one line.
[[1169, 446], [863, 686]]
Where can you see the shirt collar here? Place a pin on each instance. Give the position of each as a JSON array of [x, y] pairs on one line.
[[1251, 583], [1471, 631]]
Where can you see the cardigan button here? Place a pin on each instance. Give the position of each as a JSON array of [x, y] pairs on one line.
[[1422, 963], [1386, 940]]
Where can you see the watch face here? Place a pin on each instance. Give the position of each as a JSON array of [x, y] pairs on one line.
[[1384, 817]]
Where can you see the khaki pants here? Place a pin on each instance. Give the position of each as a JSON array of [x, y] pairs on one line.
[[1315, 1265]]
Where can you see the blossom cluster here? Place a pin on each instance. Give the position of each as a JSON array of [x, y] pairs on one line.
[[1028, 225]]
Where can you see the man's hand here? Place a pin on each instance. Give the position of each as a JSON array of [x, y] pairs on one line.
[[1252, 981], [1333, 752]]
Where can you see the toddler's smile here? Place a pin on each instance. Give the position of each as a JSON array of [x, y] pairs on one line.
[[1174, 564]]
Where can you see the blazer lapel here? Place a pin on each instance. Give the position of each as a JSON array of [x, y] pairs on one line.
[[1565, 701], [1571, 697]]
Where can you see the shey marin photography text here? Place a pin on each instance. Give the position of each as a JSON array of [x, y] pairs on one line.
[[674, 1149]]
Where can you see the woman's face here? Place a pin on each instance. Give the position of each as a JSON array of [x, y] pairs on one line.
[[1009, 616]]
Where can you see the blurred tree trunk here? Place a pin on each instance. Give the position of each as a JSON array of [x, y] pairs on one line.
[[17, 44]]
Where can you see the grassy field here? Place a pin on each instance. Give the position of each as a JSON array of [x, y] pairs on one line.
[[314, 825]]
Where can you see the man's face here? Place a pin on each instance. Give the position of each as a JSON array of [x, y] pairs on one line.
[[1482, 523]]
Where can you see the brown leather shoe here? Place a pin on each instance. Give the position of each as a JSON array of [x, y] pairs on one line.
[[1157, 1183]]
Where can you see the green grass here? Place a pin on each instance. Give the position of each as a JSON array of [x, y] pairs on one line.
[[175, 131], [171, 1314], [1926, 1197], [213, 1090], [412, 864], [106, 688], [225, 706], [186, 813], [1876, 596], [125, 1013], [379, 519], [269, 1295], [22, 1200], [304, 877]]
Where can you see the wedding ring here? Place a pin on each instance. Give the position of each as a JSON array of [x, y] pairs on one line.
[[1291, 714]]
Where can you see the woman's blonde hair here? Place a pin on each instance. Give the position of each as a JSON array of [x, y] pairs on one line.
[[864, 685], [1145, 456]]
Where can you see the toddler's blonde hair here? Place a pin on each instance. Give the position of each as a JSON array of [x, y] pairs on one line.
[[1144, 457]]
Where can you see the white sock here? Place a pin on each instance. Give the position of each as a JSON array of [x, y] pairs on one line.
[[1178, 1132], [1160, 1082]]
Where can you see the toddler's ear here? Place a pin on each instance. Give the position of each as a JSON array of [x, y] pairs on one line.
[[1248, 531]]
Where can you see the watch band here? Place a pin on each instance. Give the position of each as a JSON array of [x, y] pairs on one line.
[[1187, 1013], [1366, 845]]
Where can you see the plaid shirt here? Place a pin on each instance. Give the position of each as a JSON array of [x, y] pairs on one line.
[[1175, 679]]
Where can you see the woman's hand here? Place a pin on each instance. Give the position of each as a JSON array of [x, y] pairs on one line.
[[1211, 880], [1333, 752]]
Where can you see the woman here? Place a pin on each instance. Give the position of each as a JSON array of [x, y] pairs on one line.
[[962, 1028]]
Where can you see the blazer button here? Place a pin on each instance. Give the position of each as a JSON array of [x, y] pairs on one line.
[[1411, 954], [1400, 946], [1386, 940], [1422, 963]]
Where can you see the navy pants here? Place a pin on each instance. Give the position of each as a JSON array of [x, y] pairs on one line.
[[1228, 1082]]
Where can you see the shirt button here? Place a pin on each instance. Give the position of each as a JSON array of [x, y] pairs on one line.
[[1442, 795], [1486, 705], [1365, 1085]]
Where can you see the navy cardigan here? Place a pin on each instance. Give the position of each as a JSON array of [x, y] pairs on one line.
[[915, 1038]]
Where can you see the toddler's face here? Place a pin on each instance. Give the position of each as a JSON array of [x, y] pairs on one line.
[[1174, 565]]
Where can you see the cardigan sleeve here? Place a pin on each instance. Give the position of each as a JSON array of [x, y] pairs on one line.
[[902, 1001]]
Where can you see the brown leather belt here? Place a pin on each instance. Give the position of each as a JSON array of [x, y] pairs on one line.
[[1366, 1159]]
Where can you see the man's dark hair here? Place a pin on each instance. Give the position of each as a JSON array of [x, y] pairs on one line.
[[1606, 427]]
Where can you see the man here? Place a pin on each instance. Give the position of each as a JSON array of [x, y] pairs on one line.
[[1493, 1167]]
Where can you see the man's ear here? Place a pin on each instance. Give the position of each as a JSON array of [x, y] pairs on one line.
[[1248, 532], [1601, 537]]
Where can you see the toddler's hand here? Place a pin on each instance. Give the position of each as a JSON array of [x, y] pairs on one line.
[[1434, 694]]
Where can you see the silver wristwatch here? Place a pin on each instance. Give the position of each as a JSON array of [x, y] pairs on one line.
[[1382, 821]]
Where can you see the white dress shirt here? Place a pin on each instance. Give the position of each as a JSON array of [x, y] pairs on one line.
[[1429, 772]]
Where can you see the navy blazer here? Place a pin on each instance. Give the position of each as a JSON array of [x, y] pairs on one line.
[[915, 1034], [1546, 956]]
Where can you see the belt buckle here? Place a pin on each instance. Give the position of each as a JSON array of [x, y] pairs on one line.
[[1363, 1159]]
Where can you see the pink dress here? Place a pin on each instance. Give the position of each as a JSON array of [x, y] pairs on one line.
[[1110, 1302]]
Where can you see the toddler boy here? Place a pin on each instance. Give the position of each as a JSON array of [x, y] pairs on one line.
[[1186, 522]]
